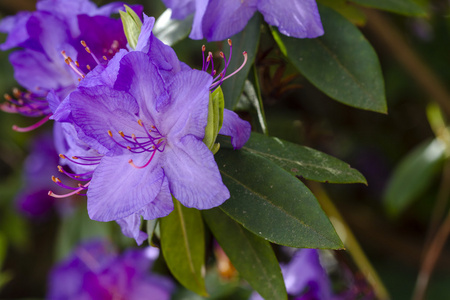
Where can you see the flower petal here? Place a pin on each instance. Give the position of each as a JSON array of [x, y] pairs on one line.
[[238, 129], [131, 228], [297, 18], [180, 8], [140, 77], [118, 190], [161, 206], [225, 18], [197, 28], [194, 177], [99, 109], [187, 111]]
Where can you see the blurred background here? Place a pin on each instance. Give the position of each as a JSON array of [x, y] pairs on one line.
[[415, 59]]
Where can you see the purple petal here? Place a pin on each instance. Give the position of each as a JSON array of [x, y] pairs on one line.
[[146, 31], [15, 26], [118, 190], [103, 35], [138, 76], [297, 18], [303, 269], [131, 228], [180, 8], [238, 129], [194, 178], [33, 71], [197, 28], [99, 109], [225, 18], [188, 110], [161, 206]]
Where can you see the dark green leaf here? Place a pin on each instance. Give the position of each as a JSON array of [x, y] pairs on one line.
[[300, 160], [246, 40], [271, 203], [342, 63], [252, 256], [183, 246], [405, 7], [413, 175], [170, 31]]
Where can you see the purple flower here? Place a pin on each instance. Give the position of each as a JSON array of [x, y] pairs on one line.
[[305, 278], [33, 199], [56, 27], [95, 271], [220, 19], [135, 129]]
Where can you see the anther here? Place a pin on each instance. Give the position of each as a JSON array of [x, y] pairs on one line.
[[7, 97], [121, 134], [16, 92], [140, 123], [110, 133], [88, 67], [104, 57], [203, 48], [229, 42], [74, 157], [62, 156], [60, 169]]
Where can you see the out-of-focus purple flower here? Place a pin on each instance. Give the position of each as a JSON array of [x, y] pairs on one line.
[[94, 271], [220, 19], [33, 200], [56, 27], [305, 278]]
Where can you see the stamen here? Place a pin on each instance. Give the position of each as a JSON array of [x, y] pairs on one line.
[[72, 65], [141, 167], [83, 43], [81, 188], [32, 127]]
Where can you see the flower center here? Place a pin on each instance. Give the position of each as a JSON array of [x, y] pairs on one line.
[[151, 141]]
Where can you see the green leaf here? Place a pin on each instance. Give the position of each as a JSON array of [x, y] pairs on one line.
[[413, 175], [170, 31], [272, 204], [300, 160], [183, 246], [342, 63], [351, 12], [252, 256], [131, 25], [404, 7], [246, 40], [151, 227]]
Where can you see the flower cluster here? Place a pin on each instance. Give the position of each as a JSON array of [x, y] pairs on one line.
[[131, 124]]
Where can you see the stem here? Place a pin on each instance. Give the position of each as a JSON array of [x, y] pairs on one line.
[[393, 40], [436, 243], [260, 109], [349, 240]]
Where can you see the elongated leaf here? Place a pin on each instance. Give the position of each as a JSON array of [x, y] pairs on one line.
[[405, 7], [170, 31], [342, 63], [252, 256], [272, 204], [413, 175], [183, 246], [351, 12], [300, 160], [246, 40]]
